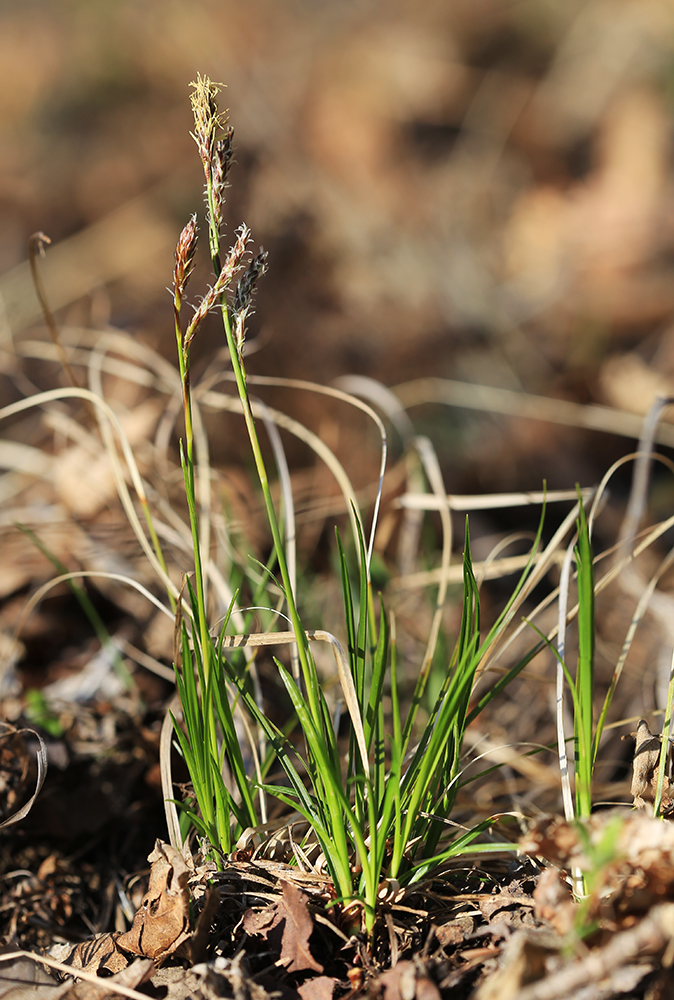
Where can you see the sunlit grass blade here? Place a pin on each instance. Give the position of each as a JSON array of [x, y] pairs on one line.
[[584, 751], [456, 848]]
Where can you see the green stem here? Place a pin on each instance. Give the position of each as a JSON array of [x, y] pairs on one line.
[[308, 673]]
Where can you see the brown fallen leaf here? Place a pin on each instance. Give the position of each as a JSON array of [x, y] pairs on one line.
[[318, 988], [131, 977], [100, 955], [24, 974], [646, 767], [554, 900], [407, 981], [161, 924], [289, 918], [523, 961], [21, 978]]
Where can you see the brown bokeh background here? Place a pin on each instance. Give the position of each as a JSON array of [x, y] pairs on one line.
[[475, 190]]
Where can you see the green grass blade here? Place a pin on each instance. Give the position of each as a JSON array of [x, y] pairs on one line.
[[584, 751], [379, 665]]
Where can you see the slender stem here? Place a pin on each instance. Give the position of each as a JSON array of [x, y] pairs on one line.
[[240, 377]]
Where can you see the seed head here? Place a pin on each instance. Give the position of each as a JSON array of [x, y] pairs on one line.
[[220, 164], [185, 250], [227, 272], [243, 296], [208, 121]]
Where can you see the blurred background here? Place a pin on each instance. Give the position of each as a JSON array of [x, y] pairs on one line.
[[472, 189]]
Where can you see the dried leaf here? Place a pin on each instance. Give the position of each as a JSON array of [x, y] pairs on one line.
[[130, 977], [24, 979], [161, 924], [554, 901], [41, 772], [646, 768], [407, 981], [299, 925], [295, 925], [318, 988]]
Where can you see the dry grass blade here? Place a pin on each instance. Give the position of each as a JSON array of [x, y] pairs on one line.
[[46, 397], [41, 775], [345, 397], [639, 491], [83, 574], [113, 987], [489, 501], [521, 404], [381, 396], [487, 569], [221, 401], [165, 742]]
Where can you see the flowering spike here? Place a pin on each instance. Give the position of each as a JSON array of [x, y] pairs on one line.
[[220, 164], [243, 296], [184, 255], [214, 294], [208, 121]]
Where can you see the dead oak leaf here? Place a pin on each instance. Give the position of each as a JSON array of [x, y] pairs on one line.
[[646, 767], [161, 924], [407, 981], [290, 918], [318, 988]]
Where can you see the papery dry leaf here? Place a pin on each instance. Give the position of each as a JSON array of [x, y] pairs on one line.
[[292, 920], [132, 976], [455, 931], [100, 955], [407, 981], [161, 924], [646, 768], [318, 988], [523, 961], [24, 979], [295, 953], [174, 983], [554, 900]]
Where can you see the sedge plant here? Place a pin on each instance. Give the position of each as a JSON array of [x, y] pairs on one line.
[[378, 806]]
